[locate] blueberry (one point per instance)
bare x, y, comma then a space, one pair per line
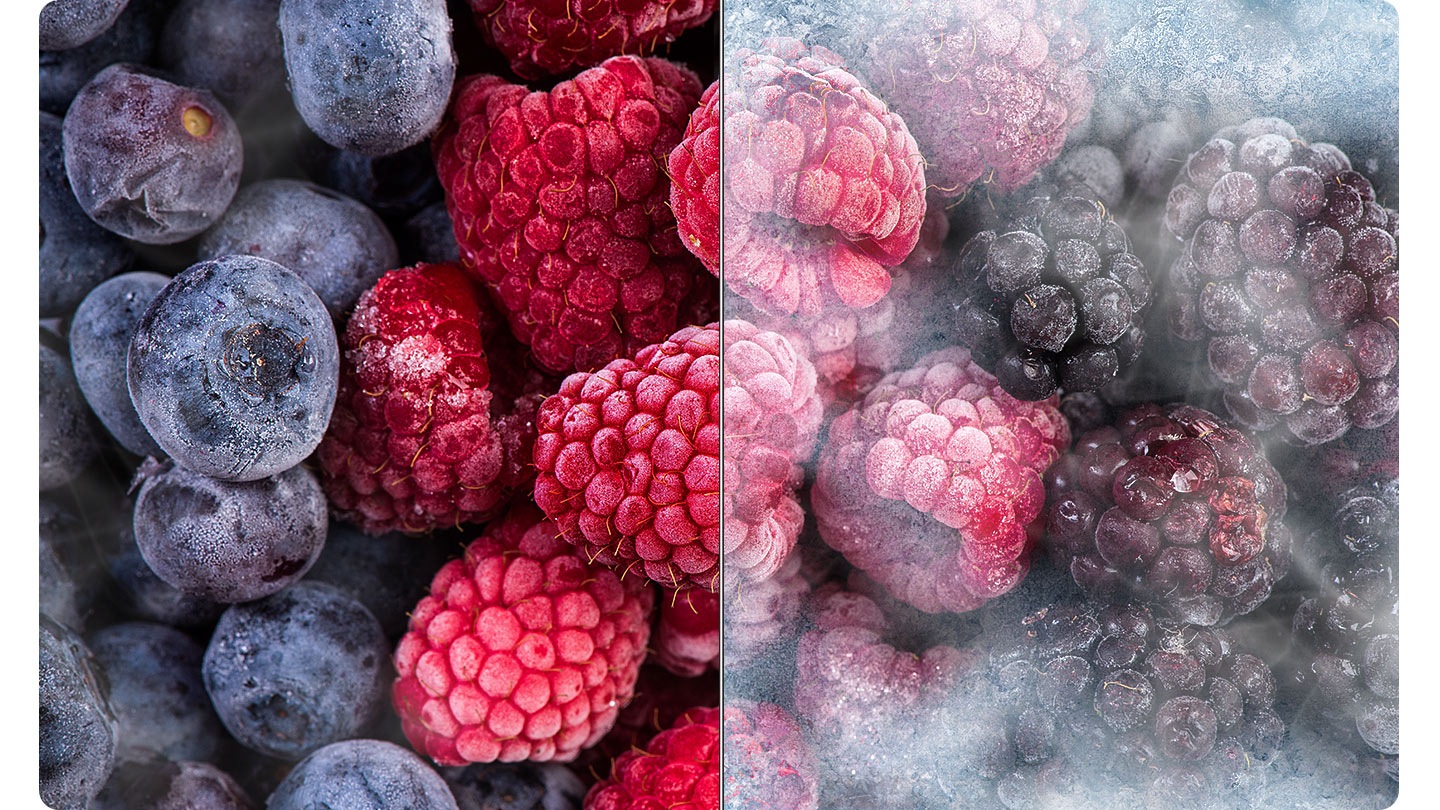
67, 442
77, 729
229, 47
335, 244
75, 253
66, 24
159, 784
395, 185
431, 235
229, 541
131, 39
363, 775
389, 574
150, 160
143, 595
99, 344
233, 369
156, 693
296, 671
515, 786
370, 76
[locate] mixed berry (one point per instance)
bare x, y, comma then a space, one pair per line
396, 450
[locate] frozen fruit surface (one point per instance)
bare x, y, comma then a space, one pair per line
362, 775
929, 482
233, 368
230, 47
436, 410
678, 766
160, 784
522, 650
67, 441
388, 573
559, 205
65, 24
767, 761
694, 170
77, 728
515, 786
100, 337
628, 461
687, 635
132, 38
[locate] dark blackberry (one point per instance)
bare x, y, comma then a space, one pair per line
1289, 276
1171, 507
1057, 302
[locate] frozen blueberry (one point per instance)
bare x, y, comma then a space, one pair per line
75, 253
337, 245
150, 160
363, 775
159, 784
229, 47
296, 671
99, 344
77, 729
431, 235
72, 575
515, 786
67, 441
156, 693
234, 367
389, 574
143, 595
67, 24
395, 185
229, 541
371, 76
131, 39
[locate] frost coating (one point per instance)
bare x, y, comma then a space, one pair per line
363, 775
99, 345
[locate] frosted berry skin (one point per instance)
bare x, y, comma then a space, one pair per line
559, 205
687, 633
628, 461
100, 336
540, 38
150, 160
772, 418
66, 24
515, 786
1289, 278
233, 368
767, 761
679, 767
362, 775
1172, 507
67, 442
231, 47
435, 414
522, 650
929, 482
761, 616
372, 76
694, 171
77, 727
161, 784
824, 186
990, 90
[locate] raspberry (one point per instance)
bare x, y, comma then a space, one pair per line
1056, 300
661, 697
990, 90
772, 418
768, 764
1172, 507
559, 206
687, 636
928, 483
521, 650
680, 767
547, 38
422, 435
763, 614
695, 181
824, 186
1289, 276
629, 460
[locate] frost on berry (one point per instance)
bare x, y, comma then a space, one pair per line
687, 636
678, 767
768, 763
694, 171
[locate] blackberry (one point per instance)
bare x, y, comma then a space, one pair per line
1289, 277
1348, 634
1057, 301
1171, 507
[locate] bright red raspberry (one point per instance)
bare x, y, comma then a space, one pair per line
824, 186
695, 181
541, 38
559, 202
423, 434
687, 636
628, 460
768, 764
661, 697
929, 482
680, 767
522, 650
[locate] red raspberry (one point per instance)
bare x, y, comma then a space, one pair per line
661, 697
695, 181
542, 38
772, 417
679, 768
929, 482
629, 460
521, 650
421, 438
687, 636
559, 205
824, 186
768, 764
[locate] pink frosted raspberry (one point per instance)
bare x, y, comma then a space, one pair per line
629, 460
687, 637
929, 482
522, 650
772, 417
695, 181
761, 614
768, 764
824, 186
661, 697
679, 767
